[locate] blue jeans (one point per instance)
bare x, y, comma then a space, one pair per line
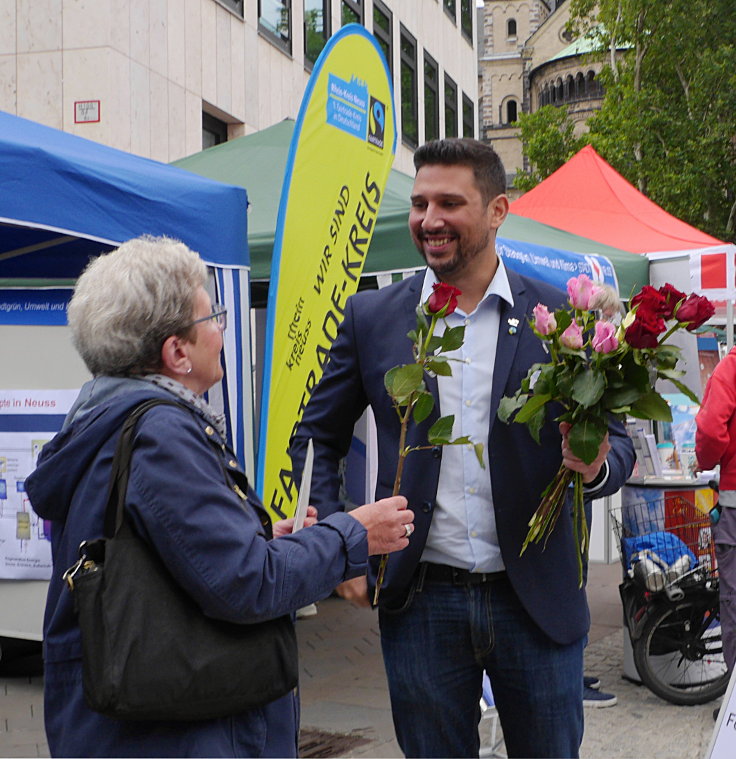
435, 650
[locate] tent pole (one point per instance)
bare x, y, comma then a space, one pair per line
729, 324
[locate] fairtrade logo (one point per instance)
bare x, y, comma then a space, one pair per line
376, 122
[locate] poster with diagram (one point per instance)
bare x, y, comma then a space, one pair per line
28, 420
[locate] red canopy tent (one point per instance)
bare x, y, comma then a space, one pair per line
588, 197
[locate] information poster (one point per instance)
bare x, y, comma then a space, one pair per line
28, 420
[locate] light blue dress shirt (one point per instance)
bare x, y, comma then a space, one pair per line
463, 531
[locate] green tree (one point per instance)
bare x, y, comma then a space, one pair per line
668, 119
548, 140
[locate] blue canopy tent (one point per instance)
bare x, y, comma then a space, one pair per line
64, 199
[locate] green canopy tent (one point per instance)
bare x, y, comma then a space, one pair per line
257, 162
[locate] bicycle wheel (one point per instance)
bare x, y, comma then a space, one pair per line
679, 655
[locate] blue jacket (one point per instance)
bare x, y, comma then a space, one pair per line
216, 545
373, 339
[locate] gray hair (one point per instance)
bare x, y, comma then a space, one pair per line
127, 302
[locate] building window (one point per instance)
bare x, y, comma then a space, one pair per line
274, 20
316, 28
468, 117
512, 114
431, 98
382, 31
450, 107
450, 9
409, 107
351, 12
511, 28
234, 5
214, 131
466, 18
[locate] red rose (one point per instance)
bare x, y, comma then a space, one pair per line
694, 311
645, 329
443, 296
651, 300
672, 296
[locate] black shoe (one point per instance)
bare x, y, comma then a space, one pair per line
591, 682
598, 699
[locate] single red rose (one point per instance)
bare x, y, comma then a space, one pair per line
694, 311
645, 329
651, 300
443, 295
672, 296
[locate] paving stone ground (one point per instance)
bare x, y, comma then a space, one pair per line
345, 709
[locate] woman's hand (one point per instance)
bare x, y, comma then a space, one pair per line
286, 526
388, 522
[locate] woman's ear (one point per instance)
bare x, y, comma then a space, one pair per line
174, 356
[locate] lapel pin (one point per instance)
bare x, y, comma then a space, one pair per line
513, 324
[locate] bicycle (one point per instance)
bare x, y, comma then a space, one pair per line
670, 599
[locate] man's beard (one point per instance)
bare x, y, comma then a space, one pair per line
464, 253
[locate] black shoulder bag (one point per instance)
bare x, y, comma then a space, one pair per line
148, 651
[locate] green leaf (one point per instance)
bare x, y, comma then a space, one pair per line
422, 323
588, 387
423, 406
585, 438
683, 388
402, 381
439, 365
624, 396
434, 343
535, 423
530, 407
478, 447
563, 319
439, 433
652, 406
509, 405
453, 338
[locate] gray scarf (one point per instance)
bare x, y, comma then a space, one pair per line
217, 420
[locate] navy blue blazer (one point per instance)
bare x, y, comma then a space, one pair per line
373, 339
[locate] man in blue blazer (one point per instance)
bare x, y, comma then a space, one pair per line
460, 599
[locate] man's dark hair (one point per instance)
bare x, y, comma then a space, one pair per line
490, 176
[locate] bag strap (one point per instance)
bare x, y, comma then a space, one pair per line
120, 472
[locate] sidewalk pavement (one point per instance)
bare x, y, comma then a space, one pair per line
345, 710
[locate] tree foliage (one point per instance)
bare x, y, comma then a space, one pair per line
548, 140
668, 119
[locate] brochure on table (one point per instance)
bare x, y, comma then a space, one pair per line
28, 420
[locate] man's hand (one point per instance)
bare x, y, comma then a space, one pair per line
355, 591
571, 461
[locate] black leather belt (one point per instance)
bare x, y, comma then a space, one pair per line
457, 576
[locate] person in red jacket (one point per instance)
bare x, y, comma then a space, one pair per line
715, 443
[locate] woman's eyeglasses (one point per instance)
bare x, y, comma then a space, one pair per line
218, 315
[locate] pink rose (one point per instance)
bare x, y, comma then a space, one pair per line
580, 291
572, 337
604, 339
544, 322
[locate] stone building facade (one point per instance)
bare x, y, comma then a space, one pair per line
527, 59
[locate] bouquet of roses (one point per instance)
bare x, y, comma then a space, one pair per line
598, 370
408, 392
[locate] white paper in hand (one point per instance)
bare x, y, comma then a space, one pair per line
303, 499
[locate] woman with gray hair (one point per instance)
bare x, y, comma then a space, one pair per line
145, 327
